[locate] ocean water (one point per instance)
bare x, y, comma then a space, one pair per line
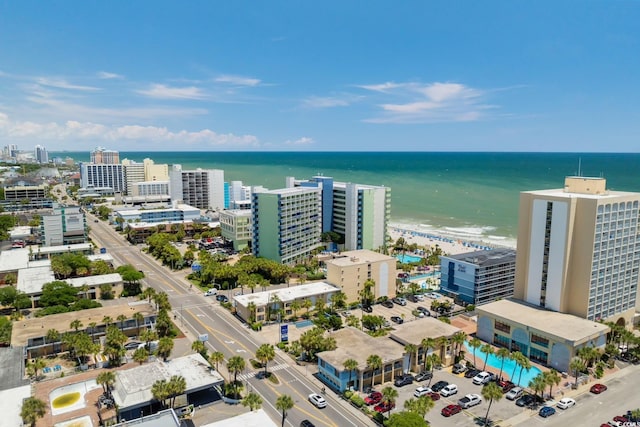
468, 196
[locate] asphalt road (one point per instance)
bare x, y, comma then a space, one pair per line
197, 315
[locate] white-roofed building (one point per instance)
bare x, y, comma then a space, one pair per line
257, 418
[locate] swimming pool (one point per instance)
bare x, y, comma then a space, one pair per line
408, 259
508, 368
304, 323
70, 397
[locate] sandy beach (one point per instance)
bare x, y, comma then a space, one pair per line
449, 245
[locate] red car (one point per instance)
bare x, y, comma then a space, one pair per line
434, 396
384, 407
449, 410
506, 385
374, 398
620, 419
597, 388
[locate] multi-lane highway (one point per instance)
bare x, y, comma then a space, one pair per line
197, 314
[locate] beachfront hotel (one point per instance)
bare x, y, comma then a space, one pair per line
286, 223
200, 188
579, 250
358, 212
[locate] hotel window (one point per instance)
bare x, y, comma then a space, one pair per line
538, 356
538, 340
502, 327
501, 341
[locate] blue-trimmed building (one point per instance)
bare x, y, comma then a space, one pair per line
478, 277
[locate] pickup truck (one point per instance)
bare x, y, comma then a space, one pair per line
470, 400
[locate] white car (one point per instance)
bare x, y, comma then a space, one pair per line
210, 292
422, 391
420, 297
470, 400
514, 393
565, 403
449, 390
317, 400
482, 378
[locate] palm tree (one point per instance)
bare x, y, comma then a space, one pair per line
93, 326
307, 304
487, 350
295, 306
253, 401
106, 379
552, 377
139, 318
350, 365
517, 357
216, 357
75, 324
199, 347
441, 344
107, 320
458, 340
502, 353
284, 403
121, 318
35, 366
177, 385
389, 396
491, 391
160, 391
140, 355
235, 365
147, 336
52, 336
433, 359
265, 354
576, 365
420, 406
32, 410
524, 364
165, 345
374, 362
426, 344
474, 344
410, 349
538, 384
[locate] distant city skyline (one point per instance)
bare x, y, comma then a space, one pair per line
337, 76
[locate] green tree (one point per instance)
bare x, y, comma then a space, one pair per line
525, 364
576, 366
517, 357
253, 401
491, 391
34, 367
199, 347
147, 336
551, 378
216, 357
265, 354
410, 349
426, 344
140, 355
350, 365
165, 346
389, 396
160, 391
502, 354
235, 365
374, 362
176, 386
487, 350
32, 410
58, 293
106, 379
121, 319
458, 340
420, 406
284, 403
538, 383
139, 318
475, 343
405, 419
75, 324
52, 336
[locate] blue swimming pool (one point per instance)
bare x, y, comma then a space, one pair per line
507, 369
304, 323
407, 259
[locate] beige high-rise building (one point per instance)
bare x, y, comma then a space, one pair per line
579, 250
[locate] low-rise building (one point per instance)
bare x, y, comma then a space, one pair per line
478, 277
63, 226
350, 270
262, 305
237, 226
544, 336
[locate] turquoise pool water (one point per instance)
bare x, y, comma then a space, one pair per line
407, 259
507, 369
304, 323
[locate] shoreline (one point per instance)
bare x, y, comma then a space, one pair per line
450, 243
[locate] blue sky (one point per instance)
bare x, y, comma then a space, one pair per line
317, 76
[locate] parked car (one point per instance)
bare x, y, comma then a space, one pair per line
514, 393
434, 396
482, 378
424, 310
307, 423
506, 385
621, 419
450, 410
397, 319
132, 345
400, 301
388, 303
222, 298
346, 313
317, 400
374, 398
367, 309
403, 380
449, 390
439, 386
547, 411
423, 376
210, 292
526, 400
422, 391
472, 373
598, 388
384, 407
419, 297
470, 400
566, 403
433, 295
458, 368
412, 298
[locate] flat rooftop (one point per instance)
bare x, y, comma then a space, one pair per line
564, 326
355, 344
562, 193
133, 386
286, 294
292, 190
362, 256
31, 280
178, 207
11, 369
14, 259
257, 418
427, 327
37, 327
486, 258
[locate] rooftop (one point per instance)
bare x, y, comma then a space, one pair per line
427, 327
165, 418
355, 344
257, 418
486, 258
31, 280
14, 259
361, 256
564, 326
133, 386
179, 207
293, 190
286, 294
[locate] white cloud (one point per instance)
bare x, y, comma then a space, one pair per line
63, 84
237, 80
324, 102
161, 91
429, 103
71, 130
107, 75
301, 141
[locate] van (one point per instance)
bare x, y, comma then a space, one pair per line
211, 292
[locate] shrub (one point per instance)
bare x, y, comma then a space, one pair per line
357, 400
348, 394
256, 326
283, 346
470, 307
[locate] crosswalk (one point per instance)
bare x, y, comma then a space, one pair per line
270, 368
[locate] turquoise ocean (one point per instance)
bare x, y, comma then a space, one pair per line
468, 196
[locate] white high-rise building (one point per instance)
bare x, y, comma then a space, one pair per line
200, 188
102, 175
